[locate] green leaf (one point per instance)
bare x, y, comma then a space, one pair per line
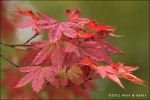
75, 75
62, 75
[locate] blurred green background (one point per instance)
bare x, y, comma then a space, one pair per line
132, 21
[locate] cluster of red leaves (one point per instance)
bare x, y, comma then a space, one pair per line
73, 53
27, 93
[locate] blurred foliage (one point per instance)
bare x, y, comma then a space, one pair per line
132, 21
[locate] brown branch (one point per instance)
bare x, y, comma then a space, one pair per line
30, 39
9, 61
15, 45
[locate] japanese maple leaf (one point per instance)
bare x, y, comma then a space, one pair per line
84, 34
54, 51
46, 50
71, 46
57, 57
115, 72
74, 74
57, 28
108, 47
93, 26
90, 49
105, 72
27, 13
103, 47
75, 17
29, 23
125, 72
36, 74
87, 71
96, 51
102, 31
70, 59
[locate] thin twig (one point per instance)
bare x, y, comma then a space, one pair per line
30, 39
95, 77
9, 61
15, 45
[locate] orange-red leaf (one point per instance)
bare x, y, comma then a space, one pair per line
27, 13
75, 17
93, 26
84, 35
118, 71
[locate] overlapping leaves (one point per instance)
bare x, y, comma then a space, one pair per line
73, 52
115, 71
37, 75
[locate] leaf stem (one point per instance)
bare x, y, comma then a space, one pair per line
93, 78
9, 61
95, 75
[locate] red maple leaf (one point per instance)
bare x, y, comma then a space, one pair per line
102, 31
95, 50
29, 23
46, 50
74, 17
57, 28
115, 72
73, 53
36, 74
74, 74
27, 13
57, 57
54, 51
93, 26
70, 59
90, 49
84, 34
108, 46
